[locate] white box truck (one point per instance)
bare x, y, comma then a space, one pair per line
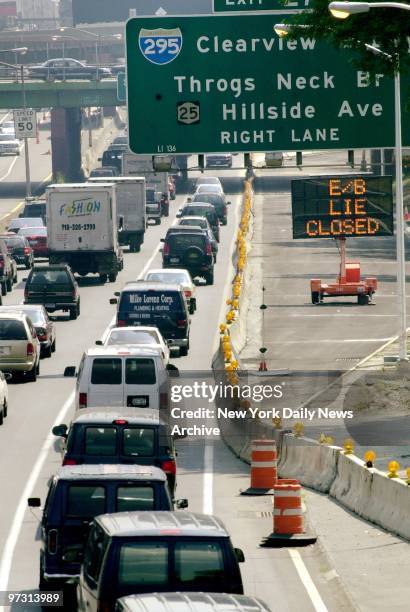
82, 228
141, 165
131, 204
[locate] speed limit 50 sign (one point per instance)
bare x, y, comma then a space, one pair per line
25, 123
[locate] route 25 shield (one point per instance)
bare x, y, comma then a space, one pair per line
160, 46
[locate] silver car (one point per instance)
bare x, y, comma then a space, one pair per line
19, 345
9, 145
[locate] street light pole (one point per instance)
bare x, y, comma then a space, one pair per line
26, 149
342, 10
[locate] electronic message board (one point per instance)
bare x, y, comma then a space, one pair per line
342, 206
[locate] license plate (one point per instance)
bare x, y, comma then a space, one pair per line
174, 259
4, 350
133, 315
137, 401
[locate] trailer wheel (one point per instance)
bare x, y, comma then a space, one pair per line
315, 297
363, 299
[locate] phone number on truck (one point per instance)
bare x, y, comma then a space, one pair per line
77, 226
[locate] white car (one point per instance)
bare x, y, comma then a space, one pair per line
7, 127
207, 180
4, 395
209, 188
9, 145
176, 275
141, 336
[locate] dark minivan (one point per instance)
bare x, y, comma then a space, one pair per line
147, 552
162, 305
55, 287
79, 493
105, 435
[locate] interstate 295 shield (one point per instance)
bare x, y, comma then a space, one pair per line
160, 46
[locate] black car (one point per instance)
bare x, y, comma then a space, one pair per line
104, 171
162, 305
190, 248
102, 435
150, 552
67, 68
20, 250
216, 160
112, 157
202, 209
76, 495
55, 287
36, 209
218, 201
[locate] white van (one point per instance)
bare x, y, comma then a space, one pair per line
122, 375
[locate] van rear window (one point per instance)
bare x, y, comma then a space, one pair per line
143, 563
85, 501
138, 442
130, 498
12, 330
144, 304
100, 441
140, 371
199, 564
106, 371
184, 241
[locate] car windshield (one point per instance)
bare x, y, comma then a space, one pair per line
169, 277
49, 277
10, 329
30, 231
131, 336
202, 211
212, 198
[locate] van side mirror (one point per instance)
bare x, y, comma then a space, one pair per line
181, 504
120, 222
162, 239
60, 430
70, 372
34, 502
99, 342
99, 158
239, 555
113, 301
171, 368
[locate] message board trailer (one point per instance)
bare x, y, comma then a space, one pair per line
339, 207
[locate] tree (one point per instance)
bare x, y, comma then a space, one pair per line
387, 29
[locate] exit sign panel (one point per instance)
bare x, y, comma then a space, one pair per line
342, 206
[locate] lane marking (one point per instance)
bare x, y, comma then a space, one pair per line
307, 581
330, 341
20, 204
208, 481
13, 163
12, 538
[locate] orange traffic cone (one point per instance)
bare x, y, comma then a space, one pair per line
263, 468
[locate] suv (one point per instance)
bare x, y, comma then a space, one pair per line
190, 602
215, 160
106, 435
146, 552
55, 287
189, 247
77, 494
19, 250
35, 208
19, 345
7, 271
201, 209
218, 201
162, 305
203, 223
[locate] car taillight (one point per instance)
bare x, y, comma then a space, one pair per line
30, 349
166, 249
27, 250
181, 322
73, 293
188, 293
169, 466
82, 400
69, 462
208, 248
120, 323
163, 400
52, 541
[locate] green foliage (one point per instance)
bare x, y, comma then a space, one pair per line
387, 29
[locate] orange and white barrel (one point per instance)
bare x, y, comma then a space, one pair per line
264, 462
287, 507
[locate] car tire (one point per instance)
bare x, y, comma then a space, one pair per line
103, 278
363, 300
3, 289
15, 279
5, 408
53, 346
1, 417
47, 351
32, 374
209, 277
9, 284
183, 351
73, 313
28, 265
112, 277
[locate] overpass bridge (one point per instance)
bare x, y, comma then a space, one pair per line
65, 99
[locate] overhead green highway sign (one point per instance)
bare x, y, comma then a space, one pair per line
228, 83
224, 6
